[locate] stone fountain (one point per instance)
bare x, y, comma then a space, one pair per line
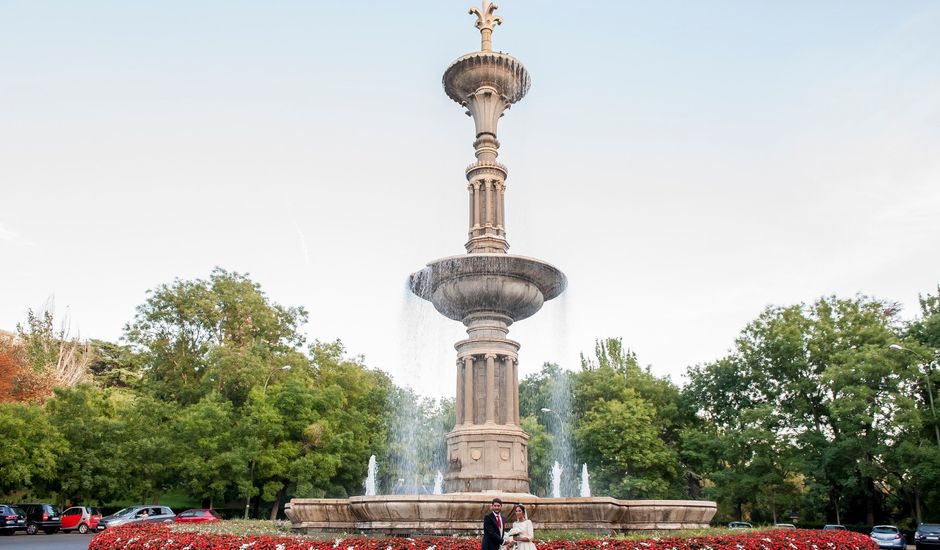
488, 289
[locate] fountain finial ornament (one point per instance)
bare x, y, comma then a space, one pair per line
486, 22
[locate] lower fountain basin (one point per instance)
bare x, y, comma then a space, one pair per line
463, 513
514, 286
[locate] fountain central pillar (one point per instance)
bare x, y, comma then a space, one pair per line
487, 289
487, 450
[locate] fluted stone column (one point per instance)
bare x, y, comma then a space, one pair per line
509, 390
468, 390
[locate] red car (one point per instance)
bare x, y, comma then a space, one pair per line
197, 515
81, 519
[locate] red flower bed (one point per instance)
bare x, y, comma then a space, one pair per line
157, 536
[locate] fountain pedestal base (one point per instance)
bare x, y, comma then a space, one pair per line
463, 513
487, 457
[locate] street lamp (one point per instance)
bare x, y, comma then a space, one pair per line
550, 411
251, 474
928, 363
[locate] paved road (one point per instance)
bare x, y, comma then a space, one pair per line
42, 541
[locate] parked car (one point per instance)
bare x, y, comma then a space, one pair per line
41, 516
833, 527
888, 536
12, 519
739, 525
137, 514
81, 519
784, 526
927, 535
197, 515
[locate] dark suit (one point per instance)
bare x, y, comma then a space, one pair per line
492, 534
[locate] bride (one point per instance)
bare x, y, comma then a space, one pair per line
522, 534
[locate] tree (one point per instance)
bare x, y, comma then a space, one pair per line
546, 397
114, 365
621, 439
811, 391
209, 458
917, 464
628, 425
29, 448
12, 364
39, 359
222, 334
311, 433
91, 420
147, 446
540, 455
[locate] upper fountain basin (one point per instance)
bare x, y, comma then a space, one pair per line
514, 286
501, 71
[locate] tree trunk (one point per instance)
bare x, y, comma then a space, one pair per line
834, 502
206, 502
277, 503
694, 486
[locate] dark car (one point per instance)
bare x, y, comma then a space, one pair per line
927, 535
137, 514
887, 536
739, 525
81, 519
833, 527
41, 516
12, 519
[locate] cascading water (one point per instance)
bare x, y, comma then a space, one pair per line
439, 483
556, 480
585, 481
562, 449
369, 483
416, 433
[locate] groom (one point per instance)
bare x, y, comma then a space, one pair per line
493, 527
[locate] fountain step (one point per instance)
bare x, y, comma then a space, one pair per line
463, 513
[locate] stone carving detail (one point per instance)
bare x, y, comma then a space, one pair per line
486, 21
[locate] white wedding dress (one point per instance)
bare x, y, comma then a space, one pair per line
524, 529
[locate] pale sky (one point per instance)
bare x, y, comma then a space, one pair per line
685, 163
